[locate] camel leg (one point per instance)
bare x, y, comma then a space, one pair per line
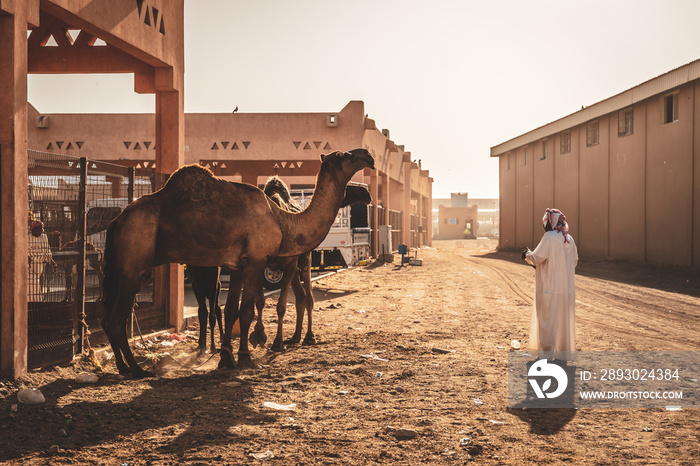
231, 314
258, 337
288, 274
300, 299
199, 286
114, 325
305, 273
215, 312
252, 288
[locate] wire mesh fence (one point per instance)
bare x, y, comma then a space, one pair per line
71, 203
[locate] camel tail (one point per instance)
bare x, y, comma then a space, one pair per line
110, 270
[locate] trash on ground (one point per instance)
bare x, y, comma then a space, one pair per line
465, 441
279, 407
496, 422
515, 344
674, 408
86, 377
478, 401
176, 337
442, 351
647, 429
372, 356
265, 455
30, 396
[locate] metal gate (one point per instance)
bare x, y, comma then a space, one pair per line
74, 200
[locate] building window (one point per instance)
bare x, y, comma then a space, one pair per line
670, 108
565, 142
625, 122
592, 133
544, 150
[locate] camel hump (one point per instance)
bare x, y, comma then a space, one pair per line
190, 181
277, 190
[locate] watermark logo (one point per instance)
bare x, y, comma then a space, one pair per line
544, 372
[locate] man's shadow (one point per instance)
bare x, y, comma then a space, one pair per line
546, 420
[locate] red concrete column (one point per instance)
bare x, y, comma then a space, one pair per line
406, 227
13, 193
374, 191
170, 154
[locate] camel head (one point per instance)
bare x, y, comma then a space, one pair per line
356, 194
349, 162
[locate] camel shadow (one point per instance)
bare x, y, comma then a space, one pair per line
185, 411
544, 421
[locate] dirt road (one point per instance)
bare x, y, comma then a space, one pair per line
419, 352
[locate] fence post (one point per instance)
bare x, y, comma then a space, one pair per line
79, 322
130, 189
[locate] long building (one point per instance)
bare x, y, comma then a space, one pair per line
625, 171
250, 147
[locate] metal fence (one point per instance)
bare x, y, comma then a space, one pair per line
74, 200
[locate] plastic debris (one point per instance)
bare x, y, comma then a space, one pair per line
693, 380
442, 351
279, 407
176, 337
674, 408
647, 429
478, 401
86, 377
496, 422
515, 344
265, 455
372, 356
167, 343
30, 396
465, 442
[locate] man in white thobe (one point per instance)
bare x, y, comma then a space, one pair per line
552, 331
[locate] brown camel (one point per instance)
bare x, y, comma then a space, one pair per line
199, 219
294, 270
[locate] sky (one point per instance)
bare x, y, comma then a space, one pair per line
448, 79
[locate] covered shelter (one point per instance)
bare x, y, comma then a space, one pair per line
140, 37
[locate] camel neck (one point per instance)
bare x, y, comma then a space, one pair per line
304, 231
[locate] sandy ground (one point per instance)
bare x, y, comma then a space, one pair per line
401, 351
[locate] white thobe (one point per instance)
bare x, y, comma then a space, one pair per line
552, 331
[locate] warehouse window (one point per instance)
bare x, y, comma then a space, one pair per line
544, 150
670, 108
625, 122
565, 142
592, 133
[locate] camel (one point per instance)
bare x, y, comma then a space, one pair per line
294, 270
299, 268
199, 219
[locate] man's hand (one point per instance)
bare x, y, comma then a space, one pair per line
525, 251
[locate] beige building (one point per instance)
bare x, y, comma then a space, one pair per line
250, 147
625, 172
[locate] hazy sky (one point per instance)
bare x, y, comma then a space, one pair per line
449, 79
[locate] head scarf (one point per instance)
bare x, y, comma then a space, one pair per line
557, 221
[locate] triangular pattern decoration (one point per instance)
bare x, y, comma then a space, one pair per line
317, 144
299, 164
59, 144
72, 35
307, 146
297, 144
224, 144
147, 144
235, 146
99, 42
137, 146
246, 144
127, 144
69, 146
49, 147
79, 144
51, 42
223, 165
284, 164
327, 147
276, 165
215, 147
94, 165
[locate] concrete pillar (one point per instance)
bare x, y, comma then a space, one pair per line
13, 193
406, 220
170, 154
374, 192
